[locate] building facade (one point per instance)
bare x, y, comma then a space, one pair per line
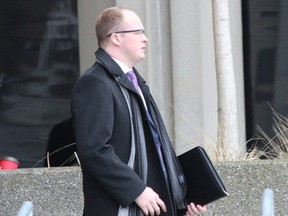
45, 48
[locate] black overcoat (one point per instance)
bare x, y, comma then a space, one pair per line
102, 132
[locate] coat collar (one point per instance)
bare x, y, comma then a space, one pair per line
113, 68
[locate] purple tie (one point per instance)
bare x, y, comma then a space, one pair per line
134, 81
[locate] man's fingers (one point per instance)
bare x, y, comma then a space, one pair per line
157, 206
145, 211
151, 211
150, 202
192, 209
157, 211
162, 205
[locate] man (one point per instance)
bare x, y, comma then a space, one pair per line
118, 127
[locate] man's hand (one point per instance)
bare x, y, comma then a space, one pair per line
193, 209
150, 203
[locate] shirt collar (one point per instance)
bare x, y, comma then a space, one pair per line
123, 66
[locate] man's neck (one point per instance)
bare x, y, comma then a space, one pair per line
116, 54
125, 68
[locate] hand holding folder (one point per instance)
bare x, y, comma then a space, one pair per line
203, 182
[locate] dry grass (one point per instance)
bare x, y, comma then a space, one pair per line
276, 147
71, 158
273, 147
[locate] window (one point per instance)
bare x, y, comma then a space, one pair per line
39, 64
265, 53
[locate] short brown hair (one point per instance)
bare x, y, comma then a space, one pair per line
107, 22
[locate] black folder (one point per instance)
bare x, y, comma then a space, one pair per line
203, 182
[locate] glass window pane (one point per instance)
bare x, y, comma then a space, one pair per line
266, 72
39, 64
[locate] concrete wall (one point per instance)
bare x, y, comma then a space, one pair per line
57, 191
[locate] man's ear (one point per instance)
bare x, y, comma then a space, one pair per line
115, 39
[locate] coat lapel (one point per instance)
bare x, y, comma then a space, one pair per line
113, 68
144, 88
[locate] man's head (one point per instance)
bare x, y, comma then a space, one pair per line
120, 33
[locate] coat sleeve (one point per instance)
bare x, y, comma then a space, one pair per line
93, 113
